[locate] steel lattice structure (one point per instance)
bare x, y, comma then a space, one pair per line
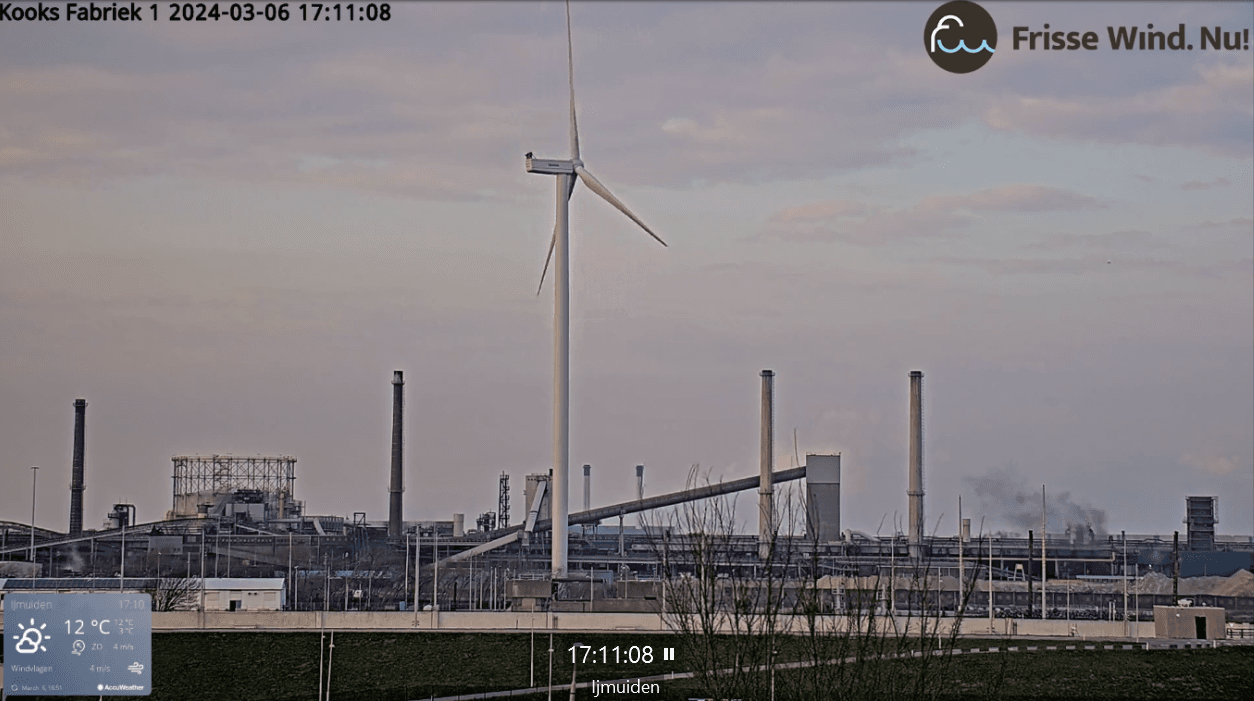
221, 474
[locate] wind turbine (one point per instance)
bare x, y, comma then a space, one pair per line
566, 171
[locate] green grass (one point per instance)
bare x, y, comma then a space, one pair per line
403, 666
1223, 673
375, 666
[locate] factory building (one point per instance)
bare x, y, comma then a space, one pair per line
823, 498
236, 519
1200, 518
220, 594
254, 488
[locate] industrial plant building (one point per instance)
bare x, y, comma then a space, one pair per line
236, 524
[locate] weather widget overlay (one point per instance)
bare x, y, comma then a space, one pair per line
78, 644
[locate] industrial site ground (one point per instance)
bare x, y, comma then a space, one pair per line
411, 666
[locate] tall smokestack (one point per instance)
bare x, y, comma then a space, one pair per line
76, 474
395, 524
587, 487
640, 493
766, 487
915, 492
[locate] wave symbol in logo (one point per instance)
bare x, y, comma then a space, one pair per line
962, 46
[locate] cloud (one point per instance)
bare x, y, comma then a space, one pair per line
719, 133
1104, 264
1239, 224
1122, 241
820, 211
1211, 112
1032, 266
1023, 198
1213, 464
441, 106
932, 216
1205, 185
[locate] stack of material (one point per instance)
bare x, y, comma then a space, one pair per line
18, 569
1239, 584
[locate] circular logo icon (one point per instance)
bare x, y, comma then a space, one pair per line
960, 36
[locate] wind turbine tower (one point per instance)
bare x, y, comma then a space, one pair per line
566, 171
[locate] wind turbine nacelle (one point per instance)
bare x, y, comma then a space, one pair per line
546, 166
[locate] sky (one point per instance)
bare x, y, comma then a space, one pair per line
227, 235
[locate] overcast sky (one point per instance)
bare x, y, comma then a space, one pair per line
226, 236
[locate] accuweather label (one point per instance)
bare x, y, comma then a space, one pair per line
78, 644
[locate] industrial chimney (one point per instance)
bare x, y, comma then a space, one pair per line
587, 487
395, 524
76, 474
915, 492
640, 493
766, 486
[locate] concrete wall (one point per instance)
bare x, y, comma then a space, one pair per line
402, 620
1036, 628
506, 621
1181, 622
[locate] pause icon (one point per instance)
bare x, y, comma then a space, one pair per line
668, 653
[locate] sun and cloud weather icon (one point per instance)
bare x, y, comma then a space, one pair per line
32, 639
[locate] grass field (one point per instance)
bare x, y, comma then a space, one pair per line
406, 666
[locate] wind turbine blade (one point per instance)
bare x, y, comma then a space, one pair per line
596, 186
547, 259
553, 240
570, 72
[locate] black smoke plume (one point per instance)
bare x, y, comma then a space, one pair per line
1006, 497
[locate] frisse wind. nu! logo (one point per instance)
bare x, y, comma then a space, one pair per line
960, 36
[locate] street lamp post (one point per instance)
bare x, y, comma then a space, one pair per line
34, 473
773, 654
122, 572
574, 670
